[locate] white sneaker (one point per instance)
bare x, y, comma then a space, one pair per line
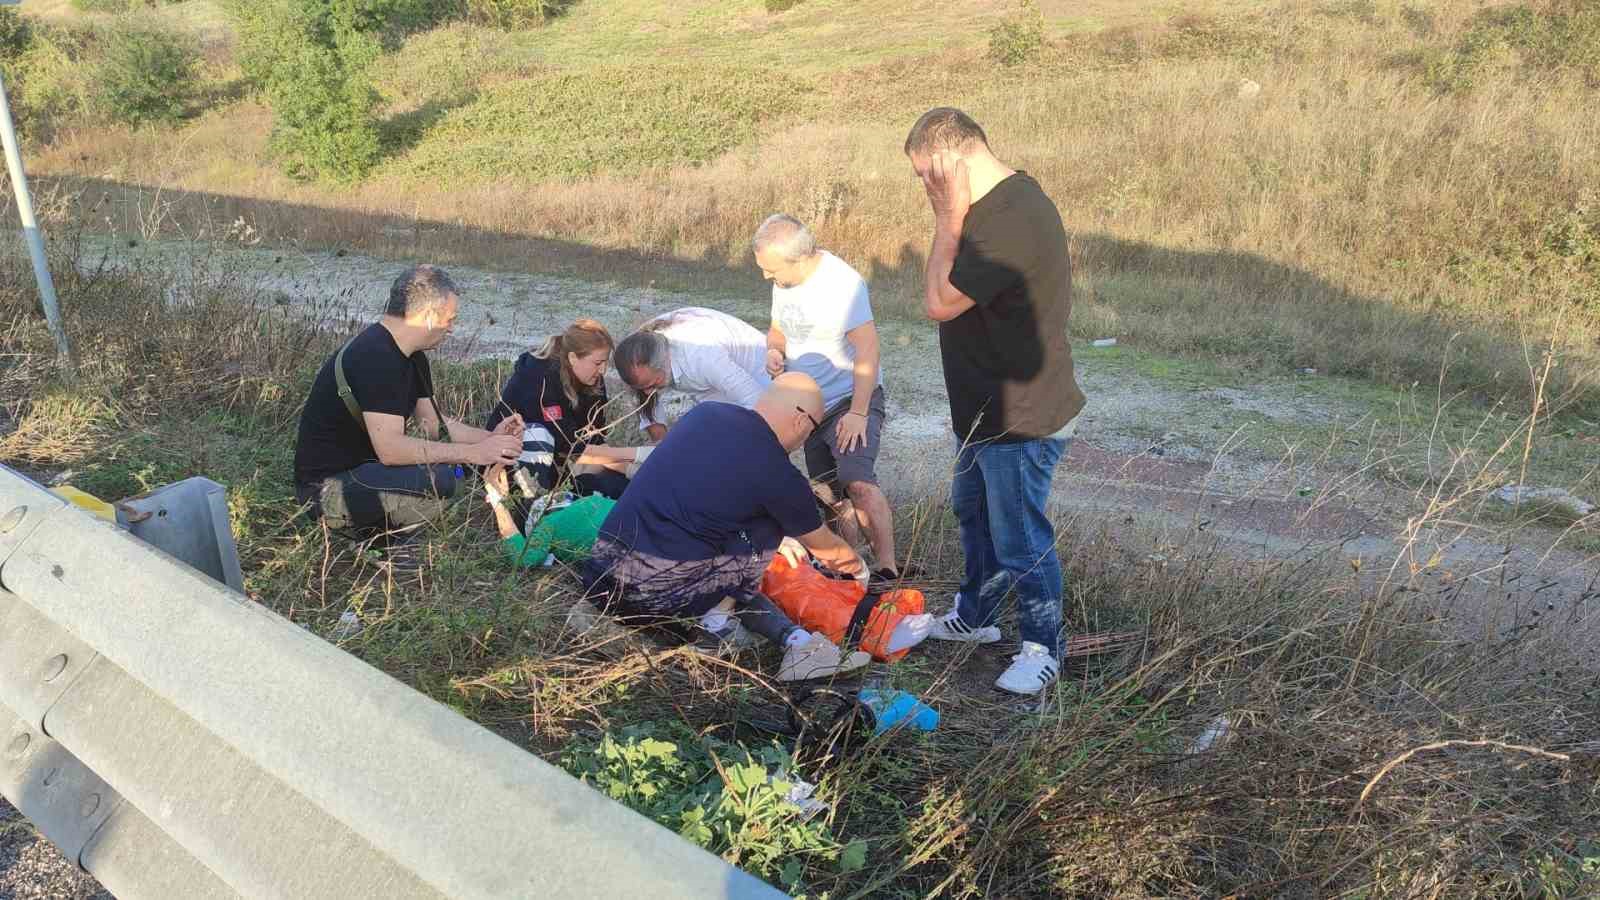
819, 658
1030, 672
951, 628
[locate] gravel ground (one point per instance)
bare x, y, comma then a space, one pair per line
31, 868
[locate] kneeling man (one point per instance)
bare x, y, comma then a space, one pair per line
353, 461
705, 513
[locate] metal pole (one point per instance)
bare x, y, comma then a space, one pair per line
30, 230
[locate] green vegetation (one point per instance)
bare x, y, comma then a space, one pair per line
727, 798
146, 74
553, 126
1563, 36
1326, 677
1018, 37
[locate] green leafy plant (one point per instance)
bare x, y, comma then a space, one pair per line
515, 13
145, 73
311, 60
724, 797
1019, 36
778, 6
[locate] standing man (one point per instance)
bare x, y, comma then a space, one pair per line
353, 460
999, 283
822, 326
700, 354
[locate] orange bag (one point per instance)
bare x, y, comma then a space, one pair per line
819, 603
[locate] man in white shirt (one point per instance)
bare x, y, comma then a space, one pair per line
822, 326
696, 354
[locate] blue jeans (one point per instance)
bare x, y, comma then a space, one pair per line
999, 495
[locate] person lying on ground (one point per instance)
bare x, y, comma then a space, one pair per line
822, 325
689, 541
699, 353
564, 534
353, 461
559, 390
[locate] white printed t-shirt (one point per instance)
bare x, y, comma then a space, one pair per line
814, 317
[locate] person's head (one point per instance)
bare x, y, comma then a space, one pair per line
423, 302
582, 350
785, 250
944, 129
644, 361
792, 407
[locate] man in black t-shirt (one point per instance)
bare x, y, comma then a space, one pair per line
357, 466
999, 283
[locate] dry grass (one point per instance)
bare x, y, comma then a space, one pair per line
1335, 684
1351, 217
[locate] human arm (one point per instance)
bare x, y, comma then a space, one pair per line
618, 458
832, 551
852, 427
396, 448
729, 380
497, 491
951, 197
776, 347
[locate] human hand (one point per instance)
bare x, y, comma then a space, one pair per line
496, 482
852, 431
793, 551
775, 361
512, 425
496, 448
949, 191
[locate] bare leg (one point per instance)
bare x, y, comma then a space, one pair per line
844, 517
873, 507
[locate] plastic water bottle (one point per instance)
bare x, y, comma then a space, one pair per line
890, 708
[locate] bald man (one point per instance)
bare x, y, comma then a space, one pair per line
687, 543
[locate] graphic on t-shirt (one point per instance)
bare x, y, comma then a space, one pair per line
794, 323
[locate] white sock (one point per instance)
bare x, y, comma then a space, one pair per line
910, 631
797, 638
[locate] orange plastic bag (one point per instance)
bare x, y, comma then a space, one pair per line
819, 603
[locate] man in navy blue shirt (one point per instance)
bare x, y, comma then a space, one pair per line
703, 517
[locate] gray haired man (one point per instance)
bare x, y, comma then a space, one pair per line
822, 325
353, 461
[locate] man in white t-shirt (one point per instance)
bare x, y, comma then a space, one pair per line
688, 356
822, 326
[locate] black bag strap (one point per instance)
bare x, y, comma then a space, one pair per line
858, 619
349, 397
345, 393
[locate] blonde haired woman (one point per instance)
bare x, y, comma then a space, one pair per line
559, 390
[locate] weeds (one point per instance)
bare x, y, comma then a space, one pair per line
1367, 700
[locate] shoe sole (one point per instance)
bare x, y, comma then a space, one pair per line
986, 635
1024, 693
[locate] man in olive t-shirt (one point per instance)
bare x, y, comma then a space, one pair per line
999, 283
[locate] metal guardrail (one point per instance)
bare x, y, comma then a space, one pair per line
178, 740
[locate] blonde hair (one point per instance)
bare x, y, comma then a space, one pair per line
582, 337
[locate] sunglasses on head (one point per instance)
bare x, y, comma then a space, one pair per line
802, 411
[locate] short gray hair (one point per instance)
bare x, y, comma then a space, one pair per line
419, 289
787, 235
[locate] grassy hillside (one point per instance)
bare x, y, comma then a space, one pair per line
1408, 197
